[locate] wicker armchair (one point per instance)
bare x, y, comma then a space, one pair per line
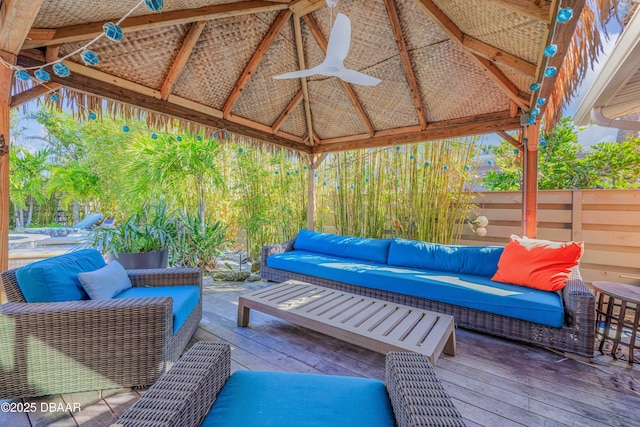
64, 347
182, 397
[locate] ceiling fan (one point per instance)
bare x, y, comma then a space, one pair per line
333, 66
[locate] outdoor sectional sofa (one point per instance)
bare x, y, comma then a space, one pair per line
77, 344
454, 280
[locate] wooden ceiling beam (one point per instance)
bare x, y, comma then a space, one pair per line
466, 126
288, 110
251, 67
405, 59
39, 37
114, 88
52, 53
305, 7
181, 59
457, 36
33, 93
303, 80
499, 56
535, 9
322, 42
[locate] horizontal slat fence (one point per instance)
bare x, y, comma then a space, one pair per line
608, 221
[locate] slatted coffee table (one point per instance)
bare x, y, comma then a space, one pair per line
375, 324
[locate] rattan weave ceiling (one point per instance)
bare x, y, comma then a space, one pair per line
448, 68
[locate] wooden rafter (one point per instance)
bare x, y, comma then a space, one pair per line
91, 81
16, 17
457, 36
52, 53
251, 67
39, 37
290, 107
322, 42
303, 80
305, 7
33, 93
498, 56
560, 35
405, 59
181, 59
511, 140
466, 126
535, 9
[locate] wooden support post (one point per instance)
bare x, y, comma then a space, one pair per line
6, 77
530, 184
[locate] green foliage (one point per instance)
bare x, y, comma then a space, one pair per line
198, 242
151, 229
563, 165
27, 181
418, 192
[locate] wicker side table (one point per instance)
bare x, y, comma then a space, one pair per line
618, 318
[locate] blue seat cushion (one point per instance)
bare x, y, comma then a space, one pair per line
56, 279
185, 299
279, 399
374, 250
464, 290
473, 260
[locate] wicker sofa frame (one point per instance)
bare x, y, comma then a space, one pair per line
64, 347
577, 335
183, 396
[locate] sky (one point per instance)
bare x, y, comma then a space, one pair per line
587, 136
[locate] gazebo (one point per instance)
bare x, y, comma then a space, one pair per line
447, 69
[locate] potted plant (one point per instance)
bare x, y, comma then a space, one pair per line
141, 241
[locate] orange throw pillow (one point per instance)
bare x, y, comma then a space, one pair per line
539, 264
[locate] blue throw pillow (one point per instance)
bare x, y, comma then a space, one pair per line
473, 260
56, 279
106, 282
373, 250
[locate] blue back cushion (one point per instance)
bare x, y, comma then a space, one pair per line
56, 279
185, 299
259, 399
473, 260
373, 250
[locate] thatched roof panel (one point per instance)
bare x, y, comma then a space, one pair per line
280, 58
221, 54
332, 112
435, 65
417, 33
295, 123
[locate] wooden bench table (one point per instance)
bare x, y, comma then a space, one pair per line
374, 324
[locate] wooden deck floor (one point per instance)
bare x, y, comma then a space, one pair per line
493, 382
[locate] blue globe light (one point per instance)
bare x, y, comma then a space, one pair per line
112, 31
324, 183
42, 75
543, 142
366, 180
564, 15
227, 135
532, 120
534, 86
154, 5
305, 167
397, 148
351, 186
550, 50
93, 115
467, 168
154, 136
535, 111
411, 157
276, 172
550, 72
215, 135
541, 101
125, 128
61, 70
178, 138
516, 151
199, 138
240, 150
337, 187
315, 175
23, 75
445, 167
489, 162
427, 164
288, 173
89, 57
54, 97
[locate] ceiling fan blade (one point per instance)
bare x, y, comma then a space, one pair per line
340, 38
298, 74
358, 78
